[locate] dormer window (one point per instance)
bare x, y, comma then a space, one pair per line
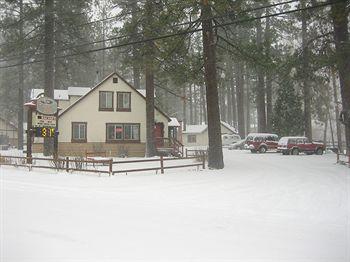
106, 101
124, 101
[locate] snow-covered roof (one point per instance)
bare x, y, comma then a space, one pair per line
143, 92
261, 134
197, 129
174, 122
62, 94
58, 94
13, 124
229, 127
78, 91
194, 129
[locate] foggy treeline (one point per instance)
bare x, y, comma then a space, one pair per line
280, 66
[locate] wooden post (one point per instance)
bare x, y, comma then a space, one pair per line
186, 152
110, 167
203, 159
29, 136
161, 165
67, 164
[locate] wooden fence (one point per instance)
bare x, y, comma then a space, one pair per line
343, 159
66, 163
196, 152
161, 166
80, 164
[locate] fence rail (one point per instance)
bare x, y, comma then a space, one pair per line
74, 164
56, 163
343, 159
161, 166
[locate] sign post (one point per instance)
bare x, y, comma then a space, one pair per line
42, 122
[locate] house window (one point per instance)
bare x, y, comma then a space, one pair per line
123, 132
115, 80
106, 101
79, 132
191, 139
123, 101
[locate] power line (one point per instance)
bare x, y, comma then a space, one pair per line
115, 38
181, 33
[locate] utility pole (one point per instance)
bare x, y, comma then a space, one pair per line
21, 81
215, 155
149, 73
260, 100
49, 63
305, 73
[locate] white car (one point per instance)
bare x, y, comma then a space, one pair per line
238, 145
229, 139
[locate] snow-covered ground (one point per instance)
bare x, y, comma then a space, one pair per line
259, 208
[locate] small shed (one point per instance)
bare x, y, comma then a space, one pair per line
197, 135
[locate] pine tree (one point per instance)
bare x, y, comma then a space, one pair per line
288, 115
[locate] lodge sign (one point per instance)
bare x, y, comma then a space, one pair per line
46, 106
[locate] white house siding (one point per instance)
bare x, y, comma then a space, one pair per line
202, 138
87, 110
8, 130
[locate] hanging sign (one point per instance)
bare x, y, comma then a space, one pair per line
46, 106
40, 120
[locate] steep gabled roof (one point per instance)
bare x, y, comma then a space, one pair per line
197, 129
229, 127
9, 122
99, 84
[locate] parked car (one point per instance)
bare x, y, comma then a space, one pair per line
229, 139
293, 145
261, 142
238, 145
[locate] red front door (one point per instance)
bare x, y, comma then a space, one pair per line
159, 134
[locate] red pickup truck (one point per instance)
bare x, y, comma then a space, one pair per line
293, 145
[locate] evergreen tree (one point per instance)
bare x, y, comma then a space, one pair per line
288, 115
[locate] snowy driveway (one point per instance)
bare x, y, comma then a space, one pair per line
259, 208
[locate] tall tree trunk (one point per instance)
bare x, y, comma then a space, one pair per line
103, 69
222, 91
203, 95
341, 37
49, 62
331, 127
336, 108
195, 112
21, 81
229, 103
240, 98
149, 73
233, 97
191, 104
268, 77
247, 103
135, 53
184, 101
305, 66
260, 99
325, 130
215, 155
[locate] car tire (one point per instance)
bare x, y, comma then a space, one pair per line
295, 151
262, 149
319, 151
285, 153
253, 150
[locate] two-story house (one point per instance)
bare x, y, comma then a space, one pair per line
110, 117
